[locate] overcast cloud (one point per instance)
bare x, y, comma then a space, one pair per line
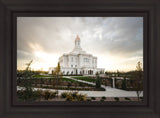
116, 41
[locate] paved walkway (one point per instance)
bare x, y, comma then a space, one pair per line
110, 92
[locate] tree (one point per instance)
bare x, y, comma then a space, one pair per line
28, 92
124, 82
138, 80
58, 70
105, 81
98, 81
57, 73
118, 73
27, 75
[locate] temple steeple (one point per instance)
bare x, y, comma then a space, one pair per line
77, 43
77, 49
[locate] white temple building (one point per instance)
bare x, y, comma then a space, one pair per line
78, 62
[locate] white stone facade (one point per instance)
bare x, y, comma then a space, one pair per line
78, 62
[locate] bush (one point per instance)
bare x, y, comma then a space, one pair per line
74, 94
46, 95
127, 98
69, 98
116, 99
93, 98
27, 95
20, 94
141, 98
49, 95
89, 100
98, 81
103, 98
64, 94
81, 97
52, 95
124, 82
38, 94
35, 95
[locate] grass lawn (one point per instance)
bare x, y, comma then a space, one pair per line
42, 76
45, 79
88, 79
69, 80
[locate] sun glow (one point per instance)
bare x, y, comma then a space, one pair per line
44, 60
114, 63
117, 42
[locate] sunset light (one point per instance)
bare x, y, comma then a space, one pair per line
117, 42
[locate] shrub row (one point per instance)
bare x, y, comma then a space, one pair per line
35, 95
73, 96
71, 88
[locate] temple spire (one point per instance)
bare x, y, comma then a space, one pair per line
77, 42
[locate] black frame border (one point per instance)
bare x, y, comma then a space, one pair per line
143, 14
9, 9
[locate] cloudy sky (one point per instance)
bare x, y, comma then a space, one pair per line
116, 41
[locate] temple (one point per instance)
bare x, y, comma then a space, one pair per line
78, 62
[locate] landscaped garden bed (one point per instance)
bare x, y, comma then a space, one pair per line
39, 95
58, 83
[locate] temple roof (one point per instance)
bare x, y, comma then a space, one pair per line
78, 50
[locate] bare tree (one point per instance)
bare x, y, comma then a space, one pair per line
138, 79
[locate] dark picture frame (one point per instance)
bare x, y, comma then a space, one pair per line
9, 10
